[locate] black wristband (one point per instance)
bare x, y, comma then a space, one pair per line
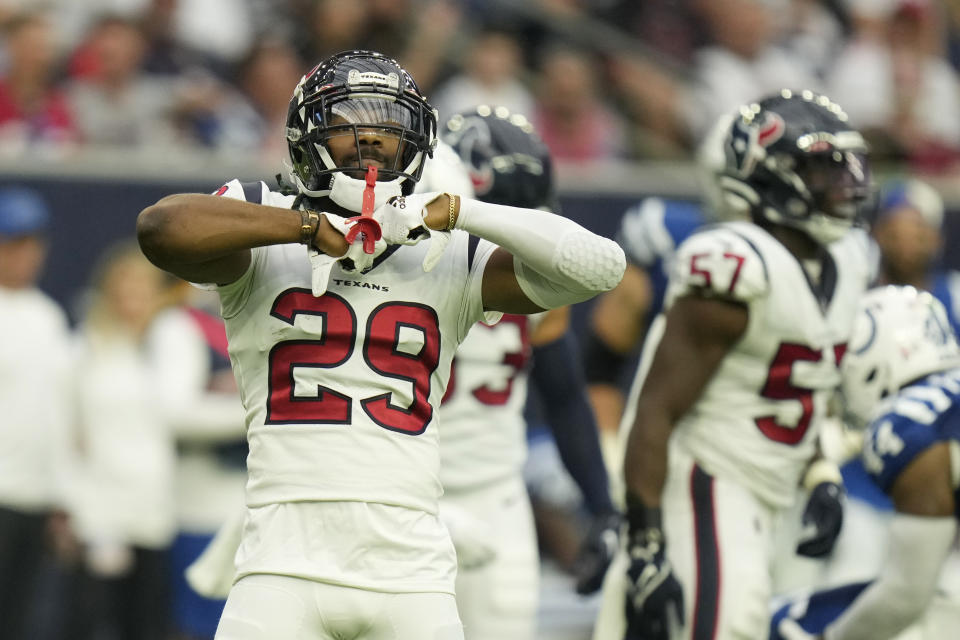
640, 517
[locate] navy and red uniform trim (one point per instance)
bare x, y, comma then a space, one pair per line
706, 607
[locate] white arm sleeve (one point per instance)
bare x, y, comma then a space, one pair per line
917, 549
558, 262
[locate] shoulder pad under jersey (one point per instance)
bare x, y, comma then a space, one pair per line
256, 192
719, 261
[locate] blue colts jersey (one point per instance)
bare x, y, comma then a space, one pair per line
917, 418
946, 289
649, 234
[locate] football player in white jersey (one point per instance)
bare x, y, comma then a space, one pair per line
483, 438
724, 423
342, 349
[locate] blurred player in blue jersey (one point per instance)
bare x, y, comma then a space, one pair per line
482, 444
649, 233
901, 379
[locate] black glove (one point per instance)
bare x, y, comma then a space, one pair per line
654, 596
822, 520
596, 552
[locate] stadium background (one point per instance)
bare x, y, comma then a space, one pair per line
94, 202
95, 192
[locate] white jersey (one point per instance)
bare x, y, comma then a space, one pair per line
756, 420
340, 391
484, 432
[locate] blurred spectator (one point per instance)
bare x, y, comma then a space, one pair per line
219, 29
666, 26
896, 85
421, 34
253, 119
743, 61
34, 357
33, 112
166, 54
418, 33
491, 74
123, 503
817, 30
909, 234
569, 113
327, 27
113, 102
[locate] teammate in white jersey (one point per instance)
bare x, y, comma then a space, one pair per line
483, 439
725, 422
342, 349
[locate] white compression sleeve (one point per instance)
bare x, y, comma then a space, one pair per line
917, 549
558, 262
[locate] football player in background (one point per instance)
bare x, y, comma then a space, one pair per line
649, 233
342, 349
756, 322
908, 234
483, 438
901, 380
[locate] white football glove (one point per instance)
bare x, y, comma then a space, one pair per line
471, 536
355, 260
401, 220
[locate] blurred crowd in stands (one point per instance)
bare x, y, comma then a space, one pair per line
601, 79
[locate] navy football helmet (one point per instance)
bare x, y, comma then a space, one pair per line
352, 94
508, 162
794, 159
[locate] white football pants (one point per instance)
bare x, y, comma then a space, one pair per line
273, 607
498, 601
720, 541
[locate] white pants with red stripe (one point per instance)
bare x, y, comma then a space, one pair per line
720, 541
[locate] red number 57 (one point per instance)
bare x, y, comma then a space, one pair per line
698, 270
779, 387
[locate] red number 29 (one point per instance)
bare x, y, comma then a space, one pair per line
334, 347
